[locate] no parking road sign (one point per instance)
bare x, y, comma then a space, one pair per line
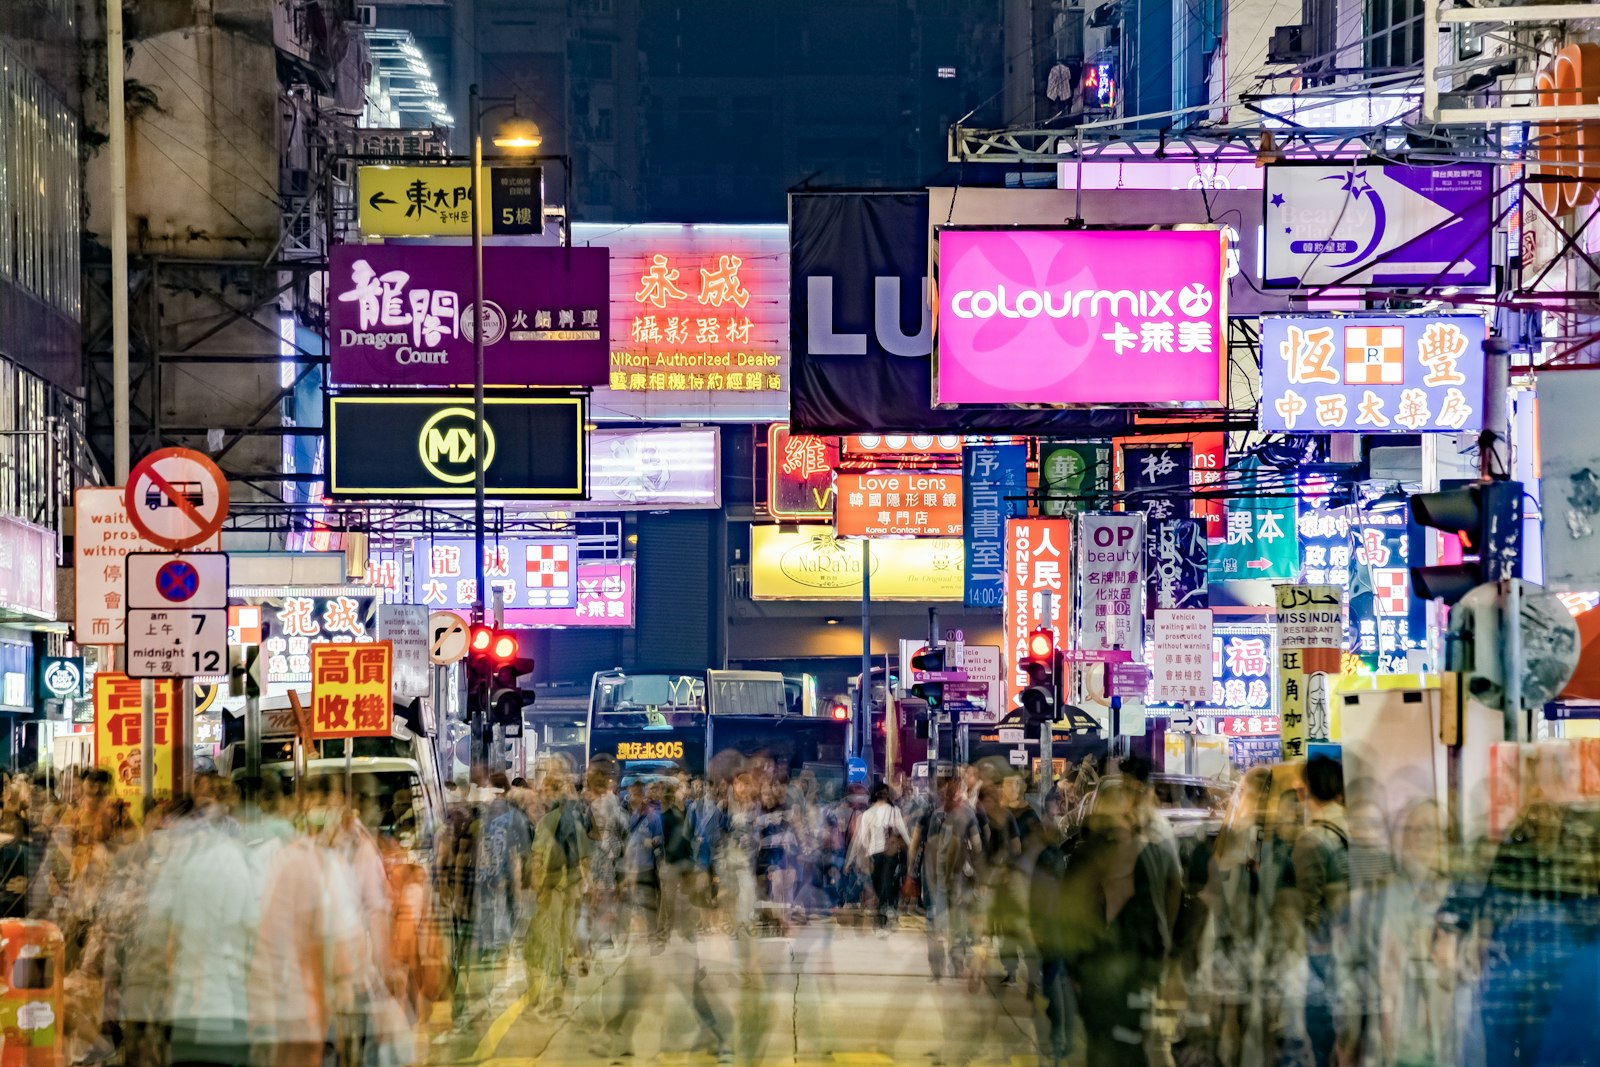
177, 614
176, 498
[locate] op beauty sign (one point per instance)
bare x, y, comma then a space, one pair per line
1047, 316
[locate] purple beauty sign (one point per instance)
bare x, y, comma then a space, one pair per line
402, 315
1371, 373
1378, 224
1045, 316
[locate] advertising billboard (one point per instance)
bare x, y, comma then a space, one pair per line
1376, 224
861, 330
897, 504
1055, 316
665, 467
1569, 448
402, 315
816, 565
1371, 373
699, 320
526, 572
423, 445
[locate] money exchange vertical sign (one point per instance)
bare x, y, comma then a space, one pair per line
1111, 575
1038, 561
996, 490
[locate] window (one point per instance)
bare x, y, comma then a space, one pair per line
39, 222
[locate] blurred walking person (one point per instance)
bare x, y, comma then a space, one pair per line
879, 851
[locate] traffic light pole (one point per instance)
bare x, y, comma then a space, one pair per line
1046, 728
864, 690
1494, 465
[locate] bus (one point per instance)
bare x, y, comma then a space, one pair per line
659, 724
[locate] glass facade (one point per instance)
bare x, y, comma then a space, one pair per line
39, 188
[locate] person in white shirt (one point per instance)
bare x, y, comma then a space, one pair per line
878, 850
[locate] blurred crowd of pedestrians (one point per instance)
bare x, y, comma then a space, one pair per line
268, 922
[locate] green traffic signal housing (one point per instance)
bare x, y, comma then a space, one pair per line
1487, 519
931, 693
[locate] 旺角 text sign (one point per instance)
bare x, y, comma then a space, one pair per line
402, 315
897, 503
1045, 316
1371, 373
352, 690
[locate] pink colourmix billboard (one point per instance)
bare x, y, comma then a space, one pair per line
1045, 316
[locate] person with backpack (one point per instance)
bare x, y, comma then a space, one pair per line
1316, 908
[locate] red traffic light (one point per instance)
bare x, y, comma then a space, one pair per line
480, 639
504, 647
841, 712
1041, 645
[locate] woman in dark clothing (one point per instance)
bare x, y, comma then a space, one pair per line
15, 867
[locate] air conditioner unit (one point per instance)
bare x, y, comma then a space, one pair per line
1288, 45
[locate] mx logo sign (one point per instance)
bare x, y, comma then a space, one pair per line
447, 445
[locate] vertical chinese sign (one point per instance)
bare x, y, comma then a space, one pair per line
1156, 479
996, 490
1310, 622
1038, 561
1111, 580
118, 718
352, 690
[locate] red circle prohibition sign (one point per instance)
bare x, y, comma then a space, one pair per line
164, 492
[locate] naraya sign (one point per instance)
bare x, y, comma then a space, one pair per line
815, 564
402, 315
1046, 316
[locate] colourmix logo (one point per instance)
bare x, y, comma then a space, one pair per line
1031, 316
1193, 300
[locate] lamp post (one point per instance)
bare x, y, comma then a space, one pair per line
522, 134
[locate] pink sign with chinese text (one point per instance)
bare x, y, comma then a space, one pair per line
605, 597
1049, 316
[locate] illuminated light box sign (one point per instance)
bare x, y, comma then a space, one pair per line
422, 445
897, 503
603, 597
699, 319
526, 572
1038, 562
1362, 223
1371, 373
816, 565
659, 468
292, 620
402, 315
800, 473
1243, 660
435, 201
1044, 316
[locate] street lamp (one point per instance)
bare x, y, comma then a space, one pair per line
519, 134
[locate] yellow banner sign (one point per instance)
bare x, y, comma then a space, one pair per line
437, 201
118, 726
814, 565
